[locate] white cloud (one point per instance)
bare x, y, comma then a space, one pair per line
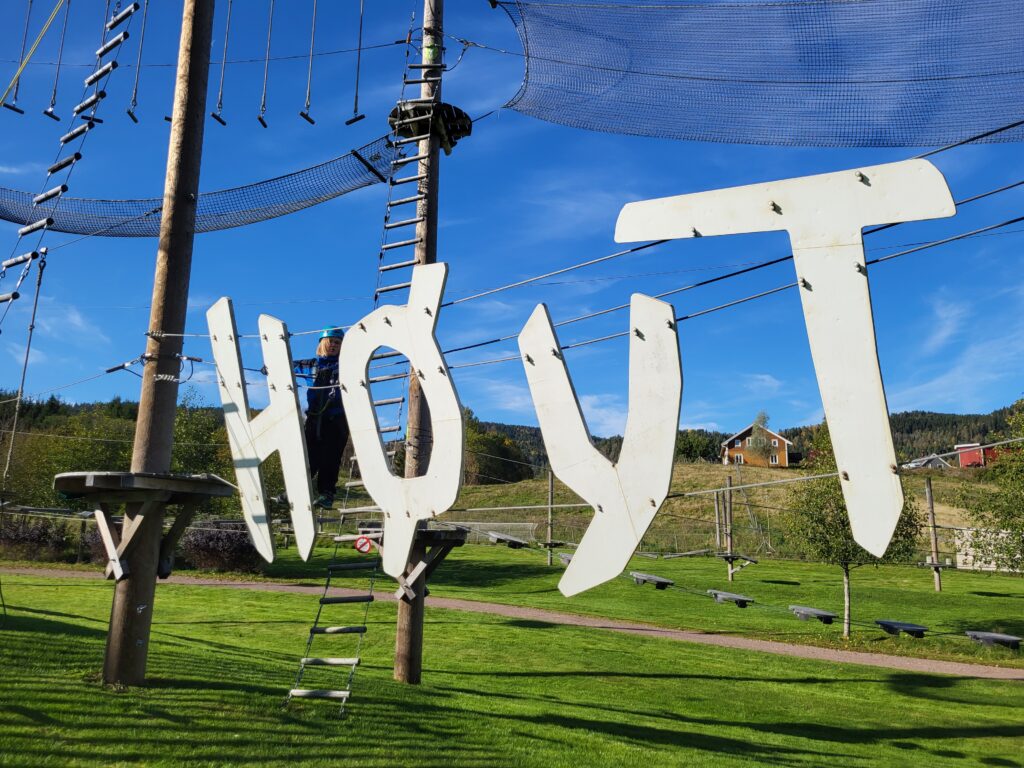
763, 384
20, 170
66, 322
605, 414
948, 318
36, 356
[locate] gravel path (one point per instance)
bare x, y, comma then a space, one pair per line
903, 663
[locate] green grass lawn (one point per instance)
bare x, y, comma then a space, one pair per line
496, 691
985, 601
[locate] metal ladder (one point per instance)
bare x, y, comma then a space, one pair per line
348, 664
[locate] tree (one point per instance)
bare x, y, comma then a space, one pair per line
699, 445
998, 514
492, 457
820, 522
760, 444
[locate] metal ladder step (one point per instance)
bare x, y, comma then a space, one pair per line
388, 377
307, 693
346, 599
393, 182
313, 661
385, 430
354, 484
405, 223
407, 200
389, 288
388, 401
411, 140
404, 161
401, 244
362, 565
337, 631
425, 66
421, 80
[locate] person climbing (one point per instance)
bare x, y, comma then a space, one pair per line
326, 425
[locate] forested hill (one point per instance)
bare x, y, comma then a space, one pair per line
921, 433
915, 433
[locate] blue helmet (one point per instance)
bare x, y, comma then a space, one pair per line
332, 333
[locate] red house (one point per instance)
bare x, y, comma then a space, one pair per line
973, 455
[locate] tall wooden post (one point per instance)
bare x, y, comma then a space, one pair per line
930, 499
718, 522
132, 612
728, 524
418, 437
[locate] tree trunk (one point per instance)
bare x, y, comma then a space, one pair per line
846, 601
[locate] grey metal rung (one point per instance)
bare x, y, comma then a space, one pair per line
388, 401
354, 484
389, 288
418, 118
388, 377
403, 161
346, 537
345, 599
92, 101
385, 430
12, 296
425, 66
405, 223
406, 200
401, 244
422, 80
35, 227
337, 631
311, 693
115, 22
111, 44
358, 565
408, 179
389, 454
397, 265
76, 132
386, 355
16, 260
100, 73
411, 140
329, 661
50, 194
417, 101
60, 165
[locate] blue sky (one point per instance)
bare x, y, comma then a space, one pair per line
519, 197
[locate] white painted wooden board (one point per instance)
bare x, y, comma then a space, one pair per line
277, 428
626, 495
824, 216
410, 330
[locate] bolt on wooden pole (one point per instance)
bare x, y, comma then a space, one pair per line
132, 612
936, 567
418, 437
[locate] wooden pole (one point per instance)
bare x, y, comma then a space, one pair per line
718, 522
409, 631
551, 502
418, 437
132, 612
728, 524
936, 568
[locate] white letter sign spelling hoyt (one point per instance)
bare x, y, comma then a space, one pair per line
824, 216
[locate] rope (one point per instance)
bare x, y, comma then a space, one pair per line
60, 56
16, 80
24, 366
224, 58
138, 69
309, 73
359, 58
266, 66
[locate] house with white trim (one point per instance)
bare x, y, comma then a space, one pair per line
757, 446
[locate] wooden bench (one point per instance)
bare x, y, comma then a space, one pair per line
804, 613
742, 601
510, 541
893, 627
994, 638
650, 578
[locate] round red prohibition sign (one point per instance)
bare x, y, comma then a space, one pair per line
363, 545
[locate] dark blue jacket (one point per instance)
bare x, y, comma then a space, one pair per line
323, 396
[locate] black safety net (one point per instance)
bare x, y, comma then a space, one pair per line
785, 72
222, 209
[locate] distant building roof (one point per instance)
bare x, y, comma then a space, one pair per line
750, 427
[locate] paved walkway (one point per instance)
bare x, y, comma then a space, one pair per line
903, 663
